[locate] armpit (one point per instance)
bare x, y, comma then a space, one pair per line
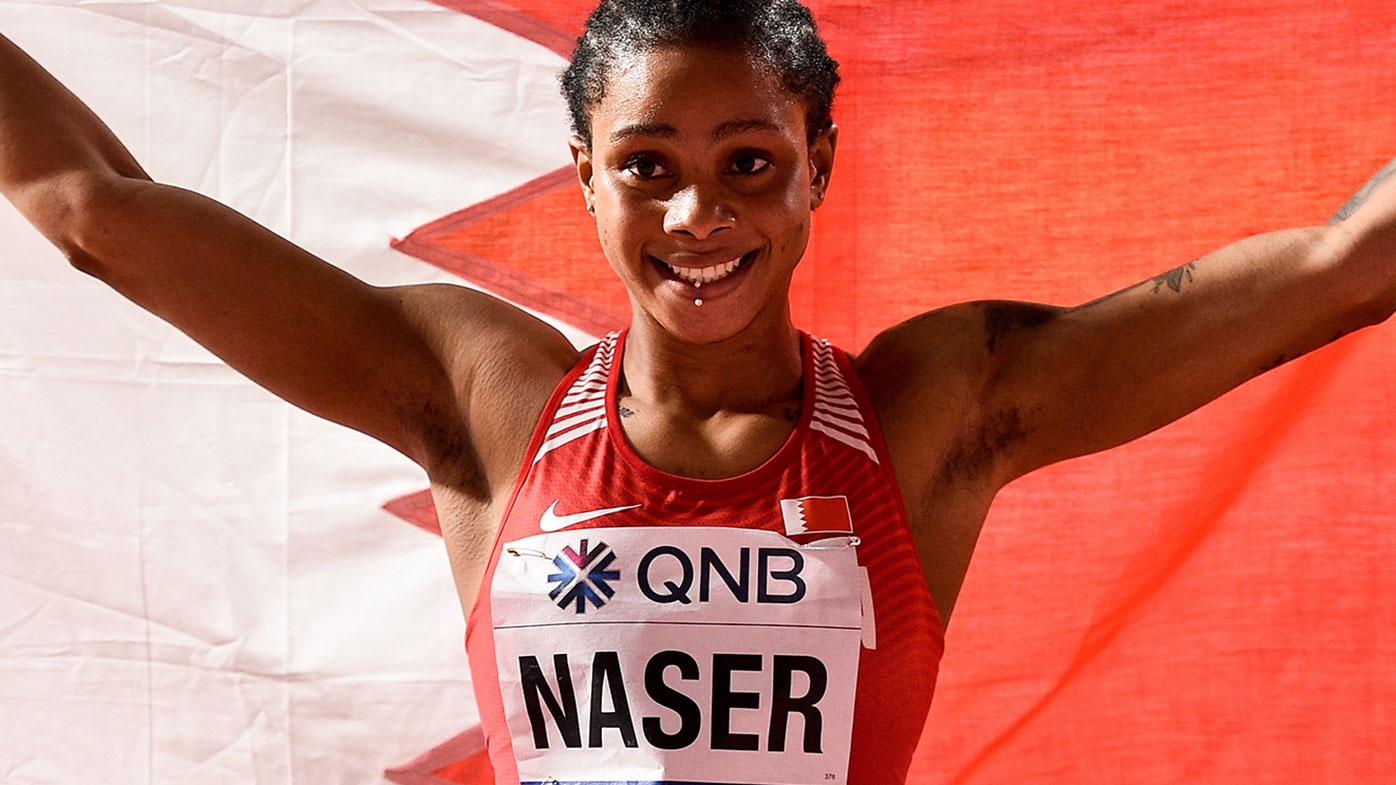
976, 454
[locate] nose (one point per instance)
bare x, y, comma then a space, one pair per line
698, 211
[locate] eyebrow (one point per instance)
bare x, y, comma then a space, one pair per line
734, 127
722, 131
644, 129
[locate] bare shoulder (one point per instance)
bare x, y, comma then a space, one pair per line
502, 364
934, 381
936, 347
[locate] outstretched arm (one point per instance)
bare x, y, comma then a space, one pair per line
395, 363
1050, 383
1098, 375
974, 395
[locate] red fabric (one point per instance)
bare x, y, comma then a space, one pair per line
1213, 603
474, 770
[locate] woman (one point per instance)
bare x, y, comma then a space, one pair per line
702, 151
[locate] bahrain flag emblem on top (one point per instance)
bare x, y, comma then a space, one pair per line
823, 516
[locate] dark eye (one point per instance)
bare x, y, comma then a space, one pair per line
646, 168
748, 164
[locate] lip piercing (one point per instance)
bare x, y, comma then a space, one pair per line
698, 301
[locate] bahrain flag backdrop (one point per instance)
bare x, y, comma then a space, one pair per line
201, 584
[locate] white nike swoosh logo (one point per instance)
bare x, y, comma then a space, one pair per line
551, 521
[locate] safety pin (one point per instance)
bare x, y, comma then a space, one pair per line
512, 551
829, 543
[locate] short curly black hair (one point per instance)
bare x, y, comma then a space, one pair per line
781, 33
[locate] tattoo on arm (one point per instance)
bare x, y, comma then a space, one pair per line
624, 412
1175, 278
1364, 193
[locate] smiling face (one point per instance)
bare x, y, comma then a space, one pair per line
703, 180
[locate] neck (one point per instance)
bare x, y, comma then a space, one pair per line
748, 372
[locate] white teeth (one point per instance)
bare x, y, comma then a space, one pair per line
701, 275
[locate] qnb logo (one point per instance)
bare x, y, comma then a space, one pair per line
583, 577
667, 574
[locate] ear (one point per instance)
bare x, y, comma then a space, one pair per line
581, 159
821, 164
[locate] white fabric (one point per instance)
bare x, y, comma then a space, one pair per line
697, 622
197, 583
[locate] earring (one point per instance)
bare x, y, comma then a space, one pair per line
591, 208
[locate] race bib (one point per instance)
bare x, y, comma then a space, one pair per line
678, 655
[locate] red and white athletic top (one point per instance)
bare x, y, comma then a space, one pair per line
635, 626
